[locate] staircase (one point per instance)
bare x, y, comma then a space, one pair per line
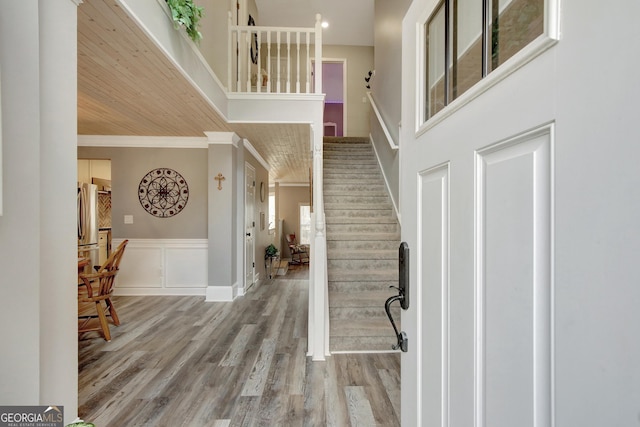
363, 236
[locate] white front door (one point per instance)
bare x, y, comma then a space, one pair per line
521, 209
250, 225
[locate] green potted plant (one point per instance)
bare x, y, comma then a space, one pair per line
186, 13
270, 251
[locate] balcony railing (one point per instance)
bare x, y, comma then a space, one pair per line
274, 59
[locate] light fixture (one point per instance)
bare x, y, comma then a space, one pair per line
325, 24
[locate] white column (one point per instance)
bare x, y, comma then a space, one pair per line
20, 220
58, 175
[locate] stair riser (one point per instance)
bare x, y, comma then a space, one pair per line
359, 276
345, 189
364, 266
342, 157
362, 255
362, 286
357, 199
354, 178
364, 237
363, 228
361, 299
353, 245
340, 212
374, 344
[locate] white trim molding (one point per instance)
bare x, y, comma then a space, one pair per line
223, 138
141, 141
256, 155
221, 293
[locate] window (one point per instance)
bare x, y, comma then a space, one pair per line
272, 212
305, 225
468, 39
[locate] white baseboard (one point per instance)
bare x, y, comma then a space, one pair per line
159, 291
221, 293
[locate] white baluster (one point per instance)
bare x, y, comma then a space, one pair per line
259, 61
308, 74
269, 61
288, 62
298, 62
318, 44
229, 58
248, 61
278, 89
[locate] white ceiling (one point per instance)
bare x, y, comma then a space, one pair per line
350, 21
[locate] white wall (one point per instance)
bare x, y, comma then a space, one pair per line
385, 84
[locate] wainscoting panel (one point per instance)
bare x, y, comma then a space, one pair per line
514, 282
186, 267
163, 267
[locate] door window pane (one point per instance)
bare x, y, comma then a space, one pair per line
513, 24
305, 225
272, 211
435, 33
466, 43
456, 35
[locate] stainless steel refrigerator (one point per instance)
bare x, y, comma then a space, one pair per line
88, 223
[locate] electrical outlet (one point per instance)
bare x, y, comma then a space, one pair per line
128, 219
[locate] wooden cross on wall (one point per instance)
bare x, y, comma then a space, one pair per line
219, 178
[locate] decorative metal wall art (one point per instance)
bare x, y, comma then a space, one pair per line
163, 192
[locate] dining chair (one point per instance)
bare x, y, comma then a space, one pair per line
299, 253
99, 289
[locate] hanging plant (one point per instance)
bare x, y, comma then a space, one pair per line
186, 13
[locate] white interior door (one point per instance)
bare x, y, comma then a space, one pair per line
250, 225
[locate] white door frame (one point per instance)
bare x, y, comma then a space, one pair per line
343, 61
249, 226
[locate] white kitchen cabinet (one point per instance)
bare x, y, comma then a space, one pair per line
103, 246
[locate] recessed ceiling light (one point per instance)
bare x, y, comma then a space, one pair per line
325, 24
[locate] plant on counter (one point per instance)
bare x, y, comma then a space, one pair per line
186, 13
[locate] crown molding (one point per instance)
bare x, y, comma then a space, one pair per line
142, 141
251, 149
223, 138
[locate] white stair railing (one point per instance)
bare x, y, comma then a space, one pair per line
273, 59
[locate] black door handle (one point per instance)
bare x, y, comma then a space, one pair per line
402, 297
249, 234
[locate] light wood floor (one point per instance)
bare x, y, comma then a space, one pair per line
178, 361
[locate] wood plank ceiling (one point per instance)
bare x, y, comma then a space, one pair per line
127, 86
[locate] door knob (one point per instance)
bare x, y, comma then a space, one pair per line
249, 234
